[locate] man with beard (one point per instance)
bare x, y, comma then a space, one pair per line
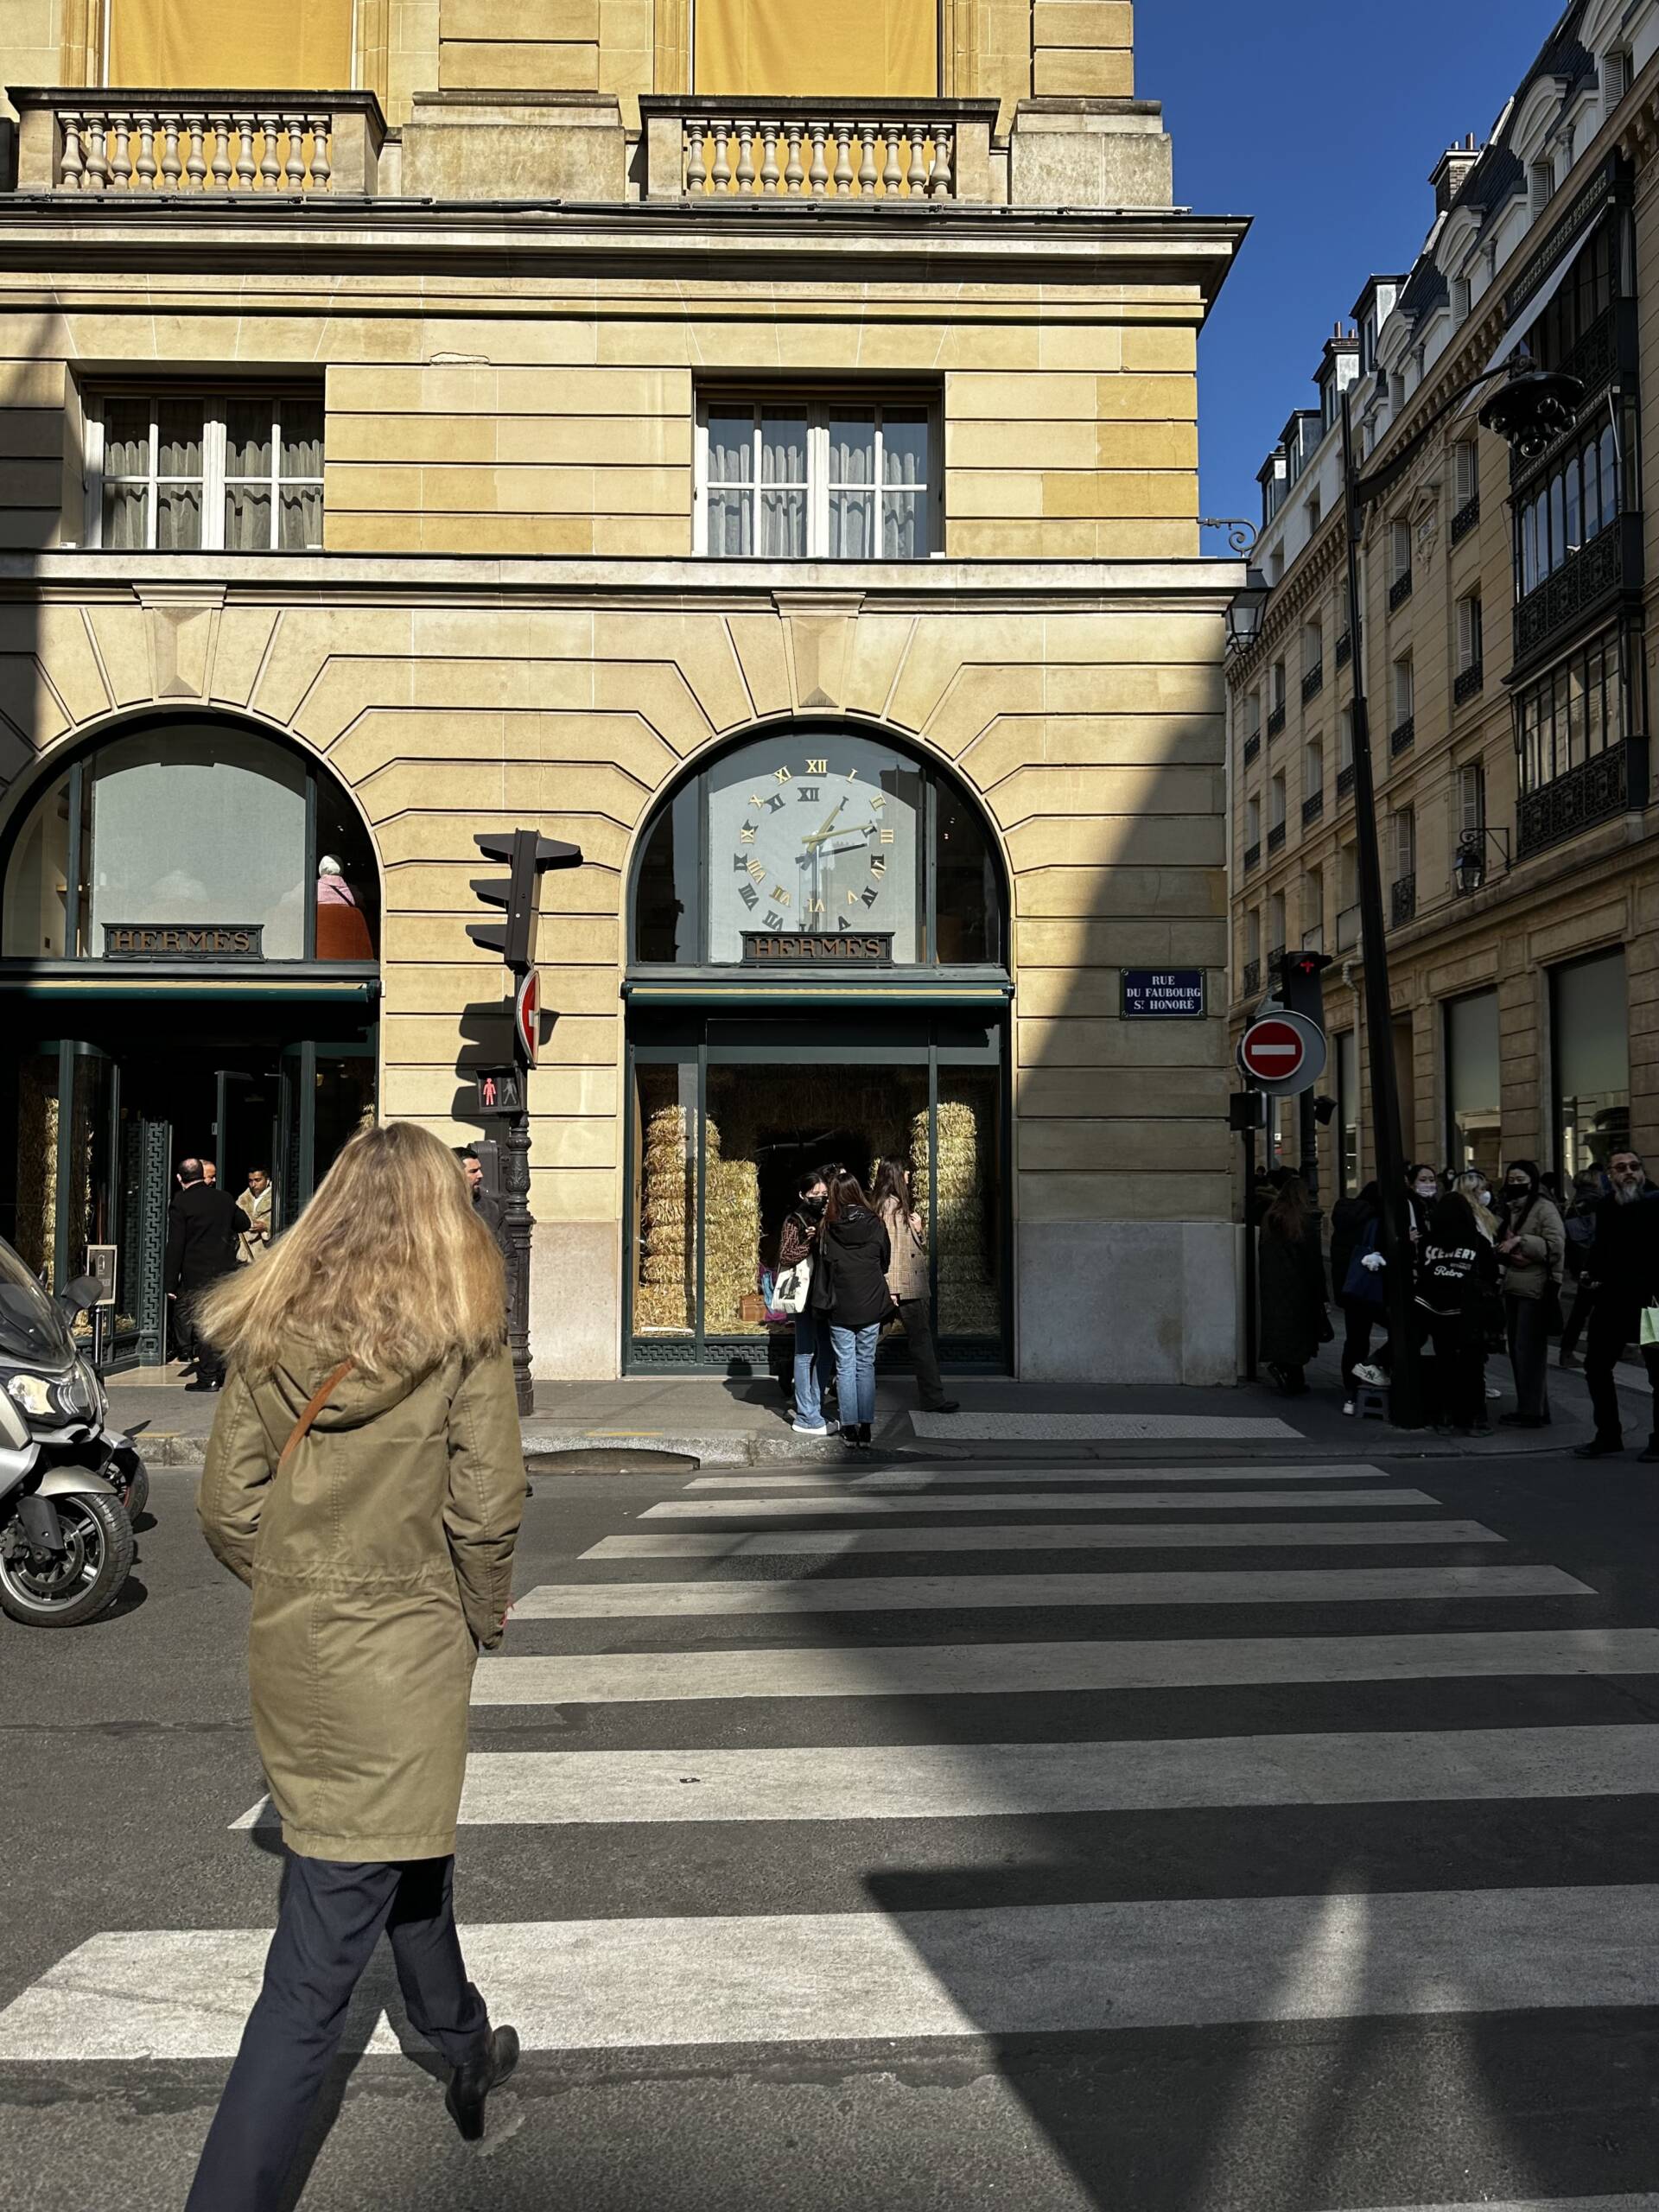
1622, 1270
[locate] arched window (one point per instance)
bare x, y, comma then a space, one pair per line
822, 832
191, 836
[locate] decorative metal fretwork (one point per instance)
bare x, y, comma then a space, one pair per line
1250, 982
143, 1232
1465, 518
1252, 747
1252, 854
1344, 780
1583, 584
1276, 836
1468, 683
1344, 648
1400, 737
1607, 784
1402, 899
1313, 681
1400, 590
1314, 806
1276, 721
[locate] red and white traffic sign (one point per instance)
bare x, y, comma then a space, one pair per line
527, 1016
1284, 1053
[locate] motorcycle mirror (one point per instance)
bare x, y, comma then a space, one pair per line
80, 1295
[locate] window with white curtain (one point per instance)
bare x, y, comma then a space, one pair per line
189, 472
818, 479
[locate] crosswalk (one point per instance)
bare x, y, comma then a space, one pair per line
1241, 1781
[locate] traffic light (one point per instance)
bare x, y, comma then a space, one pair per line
1302, 989
527, 857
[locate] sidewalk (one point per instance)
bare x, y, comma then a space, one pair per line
733, 1421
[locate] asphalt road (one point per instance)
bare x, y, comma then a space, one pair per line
1141, 1920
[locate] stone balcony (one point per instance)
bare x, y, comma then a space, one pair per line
887, 153
205, 142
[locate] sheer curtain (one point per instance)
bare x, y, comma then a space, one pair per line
784, 481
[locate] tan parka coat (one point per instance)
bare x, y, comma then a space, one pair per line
380, 1560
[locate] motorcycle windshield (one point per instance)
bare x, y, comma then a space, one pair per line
32, 1328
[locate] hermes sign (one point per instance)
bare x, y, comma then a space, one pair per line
866, 948
184, 940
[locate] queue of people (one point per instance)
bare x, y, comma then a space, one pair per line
1488, 1271
855, 1262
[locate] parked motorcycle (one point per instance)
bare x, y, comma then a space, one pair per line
69, 1484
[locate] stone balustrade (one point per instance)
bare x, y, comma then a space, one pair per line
854, 150
71, 139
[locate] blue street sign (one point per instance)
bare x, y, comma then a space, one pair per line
1163, 994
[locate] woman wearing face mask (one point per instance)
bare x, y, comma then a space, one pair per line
1424, 1185
796, 1241
1532, 1247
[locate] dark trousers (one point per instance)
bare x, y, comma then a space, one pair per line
1583, 1305
1614, 1323
187, 1337
1460, 1371
330, 1920
1526, 1322
917, 1318
1359, 1318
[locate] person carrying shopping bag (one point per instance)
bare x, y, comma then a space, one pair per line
365, 1477
850, 1289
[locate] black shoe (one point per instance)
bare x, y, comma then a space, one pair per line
203, 1383
1600, 1447
1650, 1457
944, 1406
471, 2084
1523, 1420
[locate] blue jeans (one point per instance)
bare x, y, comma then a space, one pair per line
812, 1357
855, 1372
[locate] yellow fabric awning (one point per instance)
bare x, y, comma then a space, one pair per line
802, 49
250, 45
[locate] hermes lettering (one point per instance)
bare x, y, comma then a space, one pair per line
184, 941
848, 947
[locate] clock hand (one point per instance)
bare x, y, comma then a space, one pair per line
823, 830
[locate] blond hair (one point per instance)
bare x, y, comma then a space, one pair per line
389, 1265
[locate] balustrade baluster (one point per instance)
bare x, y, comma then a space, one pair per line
244, 168
892, 175
294, 168
269, 168
746, 156
98, 151
792, 177
917, 159
195, 167
819, 175
939, 184
146, 163
171, 164
866, 160
320, 170
769, 158
71, 168
722, 132
220, 126
121, 167
843, 183
696, 170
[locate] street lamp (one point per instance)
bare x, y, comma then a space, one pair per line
1531, 409
1245, 610
1469, 862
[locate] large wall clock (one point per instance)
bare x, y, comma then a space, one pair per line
819, 833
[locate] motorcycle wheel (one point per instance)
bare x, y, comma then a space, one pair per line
97, 1558
137, 1491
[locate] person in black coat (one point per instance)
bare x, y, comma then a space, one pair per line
1293, 1323
1456, 1269
203, 1225
1355, 1228
849, 1284
1621, 1273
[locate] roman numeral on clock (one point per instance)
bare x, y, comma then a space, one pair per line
756, 869
817, 768
807, 792
749, 895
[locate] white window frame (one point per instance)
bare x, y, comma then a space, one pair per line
1465, 465
1405, 842
1471, 632
214, 478
1313, 759
817, 406
1399, 550
1471, 797
1278, 799
1405, 692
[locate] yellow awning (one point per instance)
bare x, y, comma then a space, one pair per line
802, 50
250, 46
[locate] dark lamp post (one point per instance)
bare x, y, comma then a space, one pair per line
1532, 407
1469, 863
1245, 610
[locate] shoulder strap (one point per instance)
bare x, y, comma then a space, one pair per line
314, 1404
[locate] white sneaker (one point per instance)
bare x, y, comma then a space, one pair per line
808, 1428
1349, 1407
1369, 1372
1492, 1392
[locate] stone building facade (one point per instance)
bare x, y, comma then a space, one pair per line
489, 432
1509, 652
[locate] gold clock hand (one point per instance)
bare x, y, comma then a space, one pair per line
823, 831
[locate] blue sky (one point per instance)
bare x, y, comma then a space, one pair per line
1322, 119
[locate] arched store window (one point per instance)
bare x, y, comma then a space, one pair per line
196, 826
819, 831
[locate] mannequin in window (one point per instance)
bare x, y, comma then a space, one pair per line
342, 932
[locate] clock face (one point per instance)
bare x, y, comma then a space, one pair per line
818, 833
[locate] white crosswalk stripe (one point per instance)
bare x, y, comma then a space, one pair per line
872, 1593
1058, 1536
645, 1704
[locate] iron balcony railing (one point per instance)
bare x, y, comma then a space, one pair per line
1465, 518
1252, 747
1608, 783
1344, 780
1252, 854
1344, 648
1400, 590
1251, 982
1313, 805
1276, 836
1276, 720
1468, 683
1400, 736
1402, 899
1313, 681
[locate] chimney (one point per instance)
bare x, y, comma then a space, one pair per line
1450, 171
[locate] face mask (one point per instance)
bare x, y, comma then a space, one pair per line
1485, 1197
1515, 1190
1427, 1190
813, 1205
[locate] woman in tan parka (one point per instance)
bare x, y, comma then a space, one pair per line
364, 1478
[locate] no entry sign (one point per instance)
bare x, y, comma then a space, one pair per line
1284, 1053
